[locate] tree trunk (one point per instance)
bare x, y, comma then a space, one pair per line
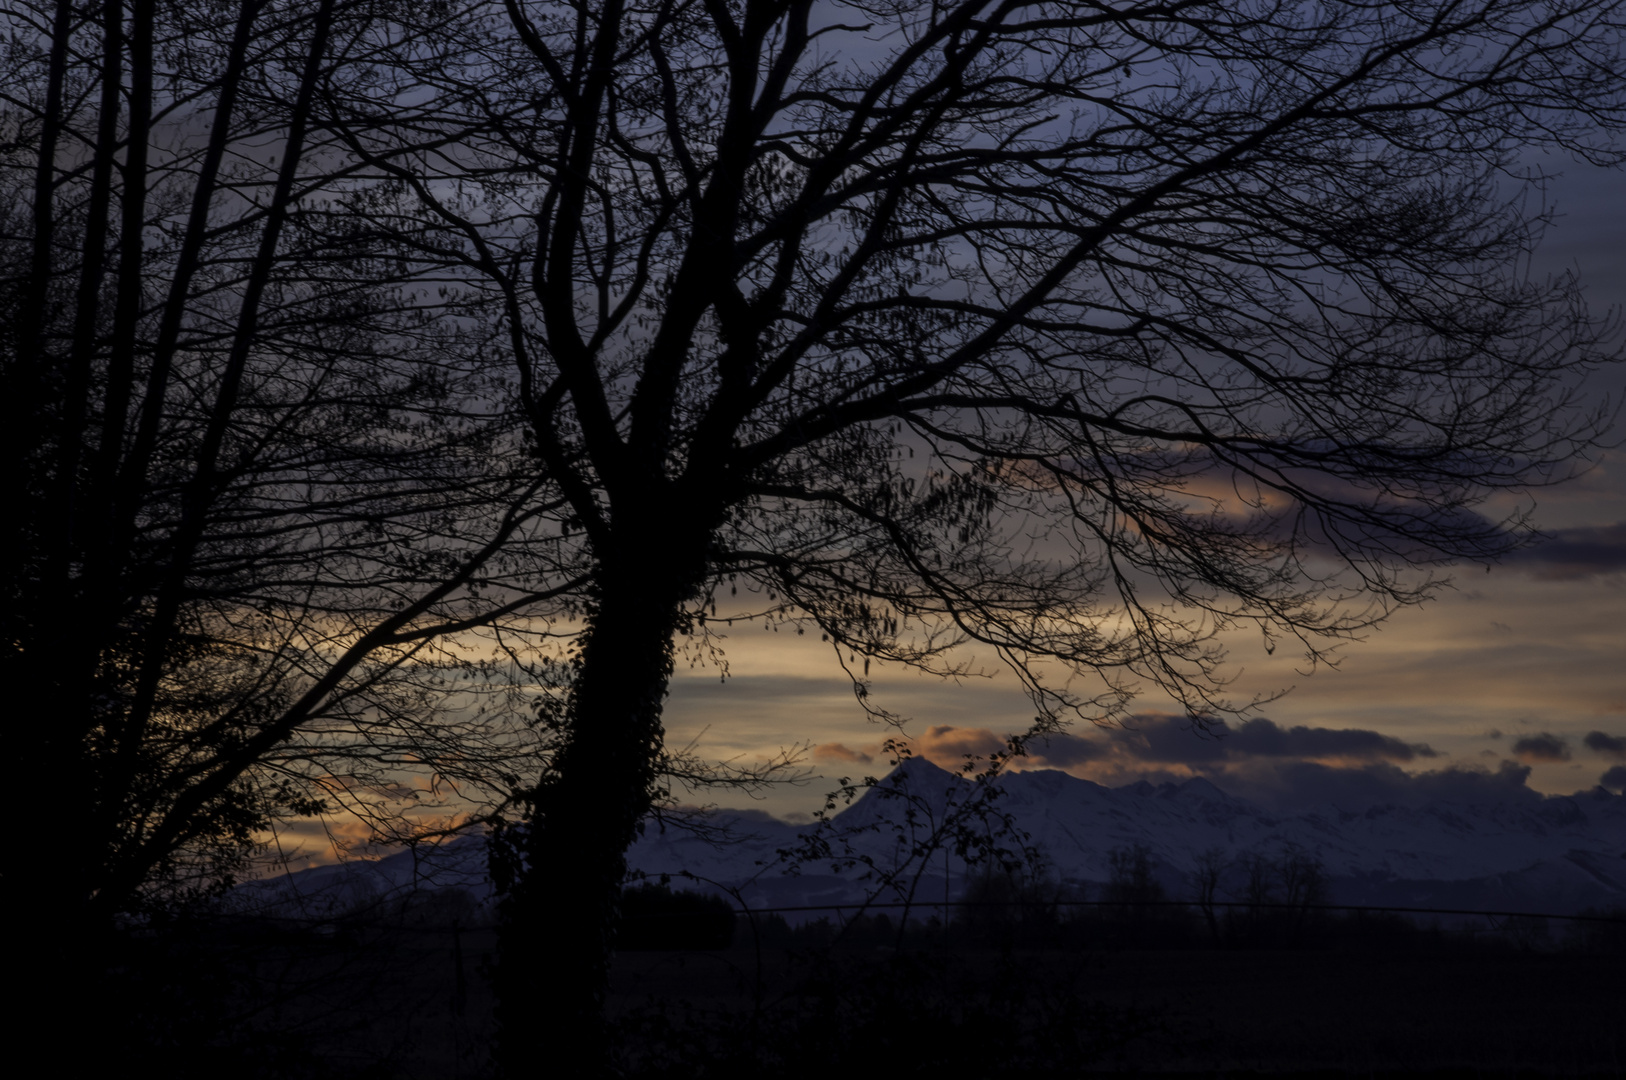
560, 916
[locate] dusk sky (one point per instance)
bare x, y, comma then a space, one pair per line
1508, 670
443, 433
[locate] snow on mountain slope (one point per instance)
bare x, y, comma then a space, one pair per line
1565, 851
1077, 823
371, 885
1553, 854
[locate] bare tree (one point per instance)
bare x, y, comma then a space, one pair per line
1303, 878
1258, 891
1210, 870
1132, 882
258, 498
1084, 332
1304, 886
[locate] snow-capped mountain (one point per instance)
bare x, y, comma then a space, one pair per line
1558, 854
919, 825
452, 874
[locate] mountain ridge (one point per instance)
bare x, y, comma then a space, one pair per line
1558, 854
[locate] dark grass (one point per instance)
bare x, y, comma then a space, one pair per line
1112, 995
1209, 1012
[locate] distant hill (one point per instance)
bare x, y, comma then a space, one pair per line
1554, 854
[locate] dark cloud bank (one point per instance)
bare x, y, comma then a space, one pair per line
1613, 746
1173, 740
1543, 747
1294, 767
1287, 768
1567, 554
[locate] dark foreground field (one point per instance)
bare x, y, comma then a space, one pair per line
370, 1001
1201, 1013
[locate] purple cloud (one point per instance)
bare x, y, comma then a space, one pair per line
1299, 784
1576, 553
1608, 745
1263, 738
1176, 740
1543, 747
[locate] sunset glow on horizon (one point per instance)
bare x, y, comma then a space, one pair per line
1536, 646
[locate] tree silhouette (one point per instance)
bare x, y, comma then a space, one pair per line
251, 487
1209, 872
1084, 332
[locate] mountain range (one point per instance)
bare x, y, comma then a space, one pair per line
923, 833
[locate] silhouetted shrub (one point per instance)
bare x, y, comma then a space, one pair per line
907, 1014
1009, 909
1598, 938
656, 917
1132, 883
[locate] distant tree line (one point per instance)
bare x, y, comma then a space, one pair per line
1253, 901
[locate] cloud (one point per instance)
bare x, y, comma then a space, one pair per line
1299, 784
1614, 779
1287, 768
1543, 747
836, 752
1263, 738
1458, 783
1171, 739
1062, 751
949, 746
1608, 745
1288, 785
1575, 553
944, 745
1388, 527
1174, 743
1154, 737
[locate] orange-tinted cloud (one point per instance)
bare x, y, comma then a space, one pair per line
949, 747
837, 752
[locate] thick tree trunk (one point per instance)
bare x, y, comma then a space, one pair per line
559, 919
53, 906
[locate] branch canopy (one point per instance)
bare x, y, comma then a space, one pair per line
339, 333
1084, 331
